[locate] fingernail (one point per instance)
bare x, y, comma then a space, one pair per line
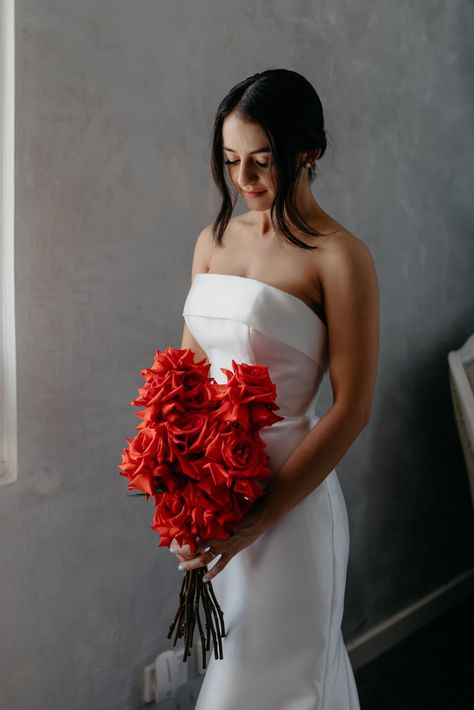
206, 579
180, 567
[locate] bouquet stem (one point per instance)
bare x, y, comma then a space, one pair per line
193, 591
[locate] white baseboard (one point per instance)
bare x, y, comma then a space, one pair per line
383, 636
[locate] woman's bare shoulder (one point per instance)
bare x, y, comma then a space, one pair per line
233, 229
340, 239
346, 260
202, 250
341, 246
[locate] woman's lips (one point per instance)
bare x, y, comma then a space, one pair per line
254, 194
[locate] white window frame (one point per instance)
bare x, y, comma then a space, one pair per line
8, 399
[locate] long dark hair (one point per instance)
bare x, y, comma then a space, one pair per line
289, 110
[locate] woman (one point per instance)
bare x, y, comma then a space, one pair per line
286, 286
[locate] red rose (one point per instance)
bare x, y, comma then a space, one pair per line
139, 460
240, 453
188, 439
174, 385
146, 463
171, 518
248, 397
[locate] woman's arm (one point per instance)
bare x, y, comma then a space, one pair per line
202, 252
351, 300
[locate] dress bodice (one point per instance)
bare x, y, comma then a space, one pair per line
243, 319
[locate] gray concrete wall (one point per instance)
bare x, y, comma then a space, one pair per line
114, 104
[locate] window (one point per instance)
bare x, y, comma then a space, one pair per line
8, 419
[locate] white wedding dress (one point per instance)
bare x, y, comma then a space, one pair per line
283, 595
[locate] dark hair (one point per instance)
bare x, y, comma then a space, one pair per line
290, 112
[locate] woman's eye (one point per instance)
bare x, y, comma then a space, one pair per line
233, 162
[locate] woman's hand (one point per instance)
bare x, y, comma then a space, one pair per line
252, 525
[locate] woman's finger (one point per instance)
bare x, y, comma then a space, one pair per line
201, 560
218, 567
183, 552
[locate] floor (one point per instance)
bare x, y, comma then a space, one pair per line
433, 669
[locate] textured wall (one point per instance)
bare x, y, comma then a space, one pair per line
114, 103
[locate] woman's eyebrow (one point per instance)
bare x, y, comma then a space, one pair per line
265, 149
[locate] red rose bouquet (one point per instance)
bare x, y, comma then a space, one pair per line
199, 454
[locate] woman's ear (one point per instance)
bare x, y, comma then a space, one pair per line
311, 156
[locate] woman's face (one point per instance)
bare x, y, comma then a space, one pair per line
248, 158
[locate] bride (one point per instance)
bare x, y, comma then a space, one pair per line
284, 285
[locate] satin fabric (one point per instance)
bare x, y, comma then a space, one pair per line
283, 595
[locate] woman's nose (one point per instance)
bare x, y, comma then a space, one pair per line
246, 175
